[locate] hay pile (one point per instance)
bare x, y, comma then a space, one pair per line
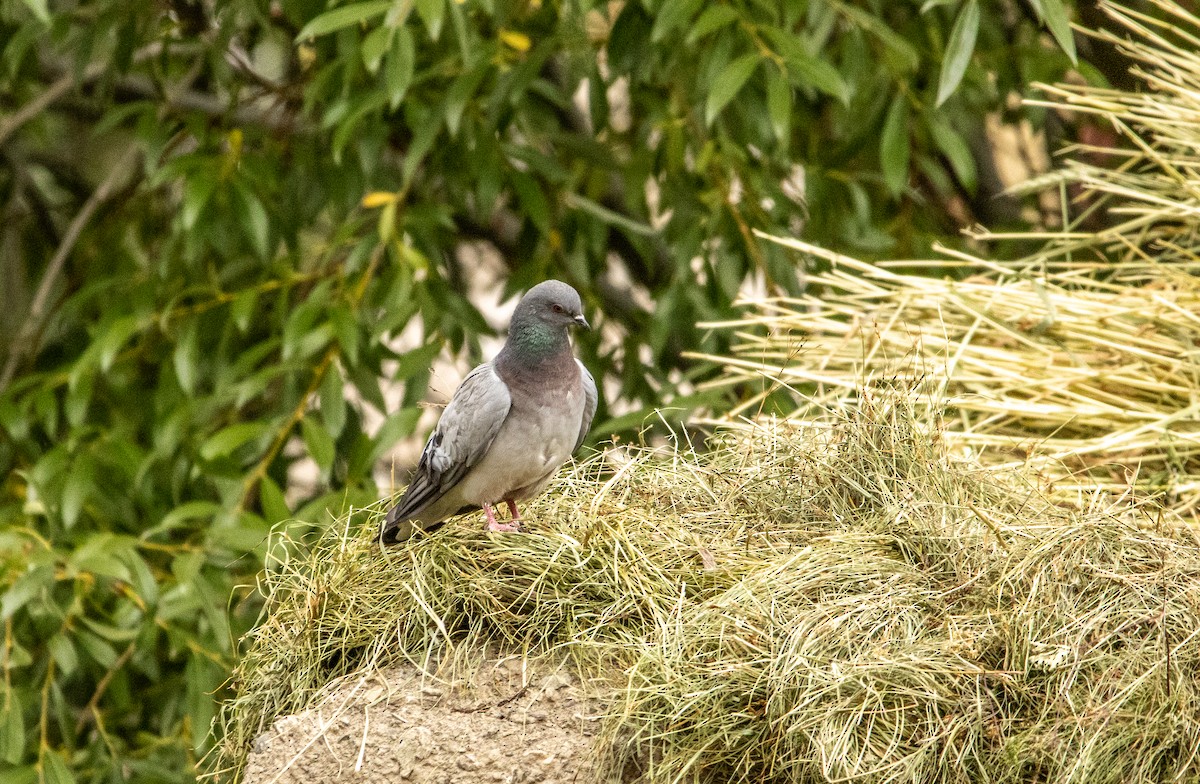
847, 601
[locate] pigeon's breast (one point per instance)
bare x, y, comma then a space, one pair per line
536, 438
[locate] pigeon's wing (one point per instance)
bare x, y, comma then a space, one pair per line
462, 437
590, 398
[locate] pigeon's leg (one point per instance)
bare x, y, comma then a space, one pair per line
494, 525
512, 509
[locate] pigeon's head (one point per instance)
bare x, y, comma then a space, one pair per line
552, 303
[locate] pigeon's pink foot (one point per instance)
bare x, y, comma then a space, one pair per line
512, 509
506, 528
495, 525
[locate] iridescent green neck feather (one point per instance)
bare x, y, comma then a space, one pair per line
535, 340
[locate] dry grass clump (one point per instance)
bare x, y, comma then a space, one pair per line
609, 551
960, 628
1082, 373
845, 601
1084, 356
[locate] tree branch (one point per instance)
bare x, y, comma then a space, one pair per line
24, 344
276, 116
63, 85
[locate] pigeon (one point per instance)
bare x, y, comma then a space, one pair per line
509, 425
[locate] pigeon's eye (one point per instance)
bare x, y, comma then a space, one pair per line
557, 308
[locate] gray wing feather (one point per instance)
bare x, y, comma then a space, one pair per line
462, 437
590, 399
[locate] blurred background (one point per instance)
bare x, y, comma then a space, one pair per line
245, 245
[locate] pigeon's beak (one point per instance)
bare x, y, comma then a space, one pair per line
580, 321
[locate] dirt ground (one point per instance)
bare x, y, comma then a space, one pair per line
510, 722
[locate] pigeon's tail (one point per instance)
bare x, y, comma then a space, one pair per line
399, 524
395, 529
399, 527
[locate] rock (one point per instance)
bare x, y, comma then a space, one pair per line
515, 721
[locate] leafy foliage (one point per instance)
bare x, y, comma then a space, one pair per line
220, 217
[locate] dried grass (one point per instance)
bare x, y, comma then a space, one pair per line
846, 601
1079, 376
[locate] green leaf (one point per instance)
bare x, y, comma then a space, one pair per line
397, 15
100, 651
242, 533
110, 633
423, 138
55, 769
628, 41
40, 9
808, 69
902, 55
387, 224
532, 199
141, 578
116, 334
243, 307
432, 12
958, 50
466, 41
24, 589
80, 482
199, 676
17, 419
346, 328
416, 361
186, 568
186, 359
714, 18
611, 217
196, 194
63, 653
228, 439
26, 774
273, 502
319, 443
301, 336
333, 402
367, 385
821, 76
19, 656
79, 398
374, 45
190, 510
673, 14
893, 146
418, 262
1054, 14
597, 100
460, 91
100, 554
256, 226
397, 426
368, 104
12, 729
338, 18
728, 83
401, 64
779, 105
957, 152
